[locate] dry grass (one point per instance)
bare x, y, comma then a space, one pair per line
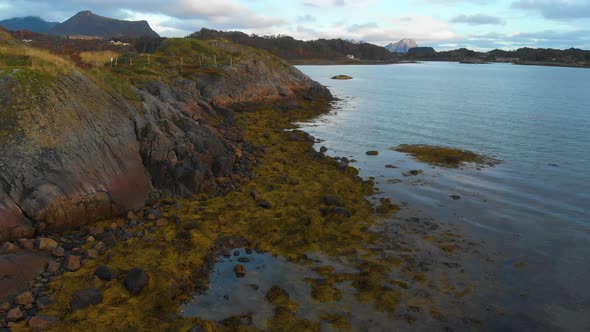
38, 59
98, 57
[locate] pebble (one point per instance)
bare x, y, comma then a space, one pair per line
240, 271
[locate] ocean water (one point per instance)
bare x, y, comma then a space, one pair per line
531, 213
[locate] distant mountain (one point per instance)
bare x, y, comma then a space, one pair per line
421, 51
571, 57
89, 24
31, 23
401, 46
295, 50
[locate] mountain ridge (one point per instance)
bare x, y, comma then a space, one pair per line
89, 24
31, 23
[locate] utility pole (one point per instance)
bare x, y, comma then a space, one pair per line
231, 61
149, 59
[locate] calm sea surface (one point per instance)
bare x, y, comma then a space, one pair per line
531, 212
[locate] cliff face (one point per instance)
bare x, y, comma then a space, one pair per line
72, 153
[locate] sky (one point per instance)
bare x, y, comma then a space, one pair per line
443, 24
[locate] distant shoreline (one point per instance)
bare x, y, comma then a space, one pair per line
323, 62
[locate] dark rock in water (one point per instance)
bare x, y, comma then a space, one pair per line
84, 298
390, 166
413, 172
336, 210
226, 253
455, 197
331, 200
103, 272
236, 253
243, 259
136, 280
342, 165
323, 149
553, 165
264, 204
254, 287
240, 271
372, 153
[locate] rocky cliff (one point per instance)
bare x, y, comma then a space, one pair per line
73, 150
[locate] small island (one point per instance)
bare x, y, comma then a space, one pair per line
445, 156
341, 77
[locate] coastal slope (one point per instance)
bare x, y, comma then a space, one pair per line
83, 145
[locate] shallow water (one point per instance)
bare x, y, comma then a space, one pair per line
531, 212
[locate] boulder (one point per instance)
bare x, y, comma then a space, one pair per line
46, 244
136, 280
72, 263
84, 298
24, 298
103, 272
14, 315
